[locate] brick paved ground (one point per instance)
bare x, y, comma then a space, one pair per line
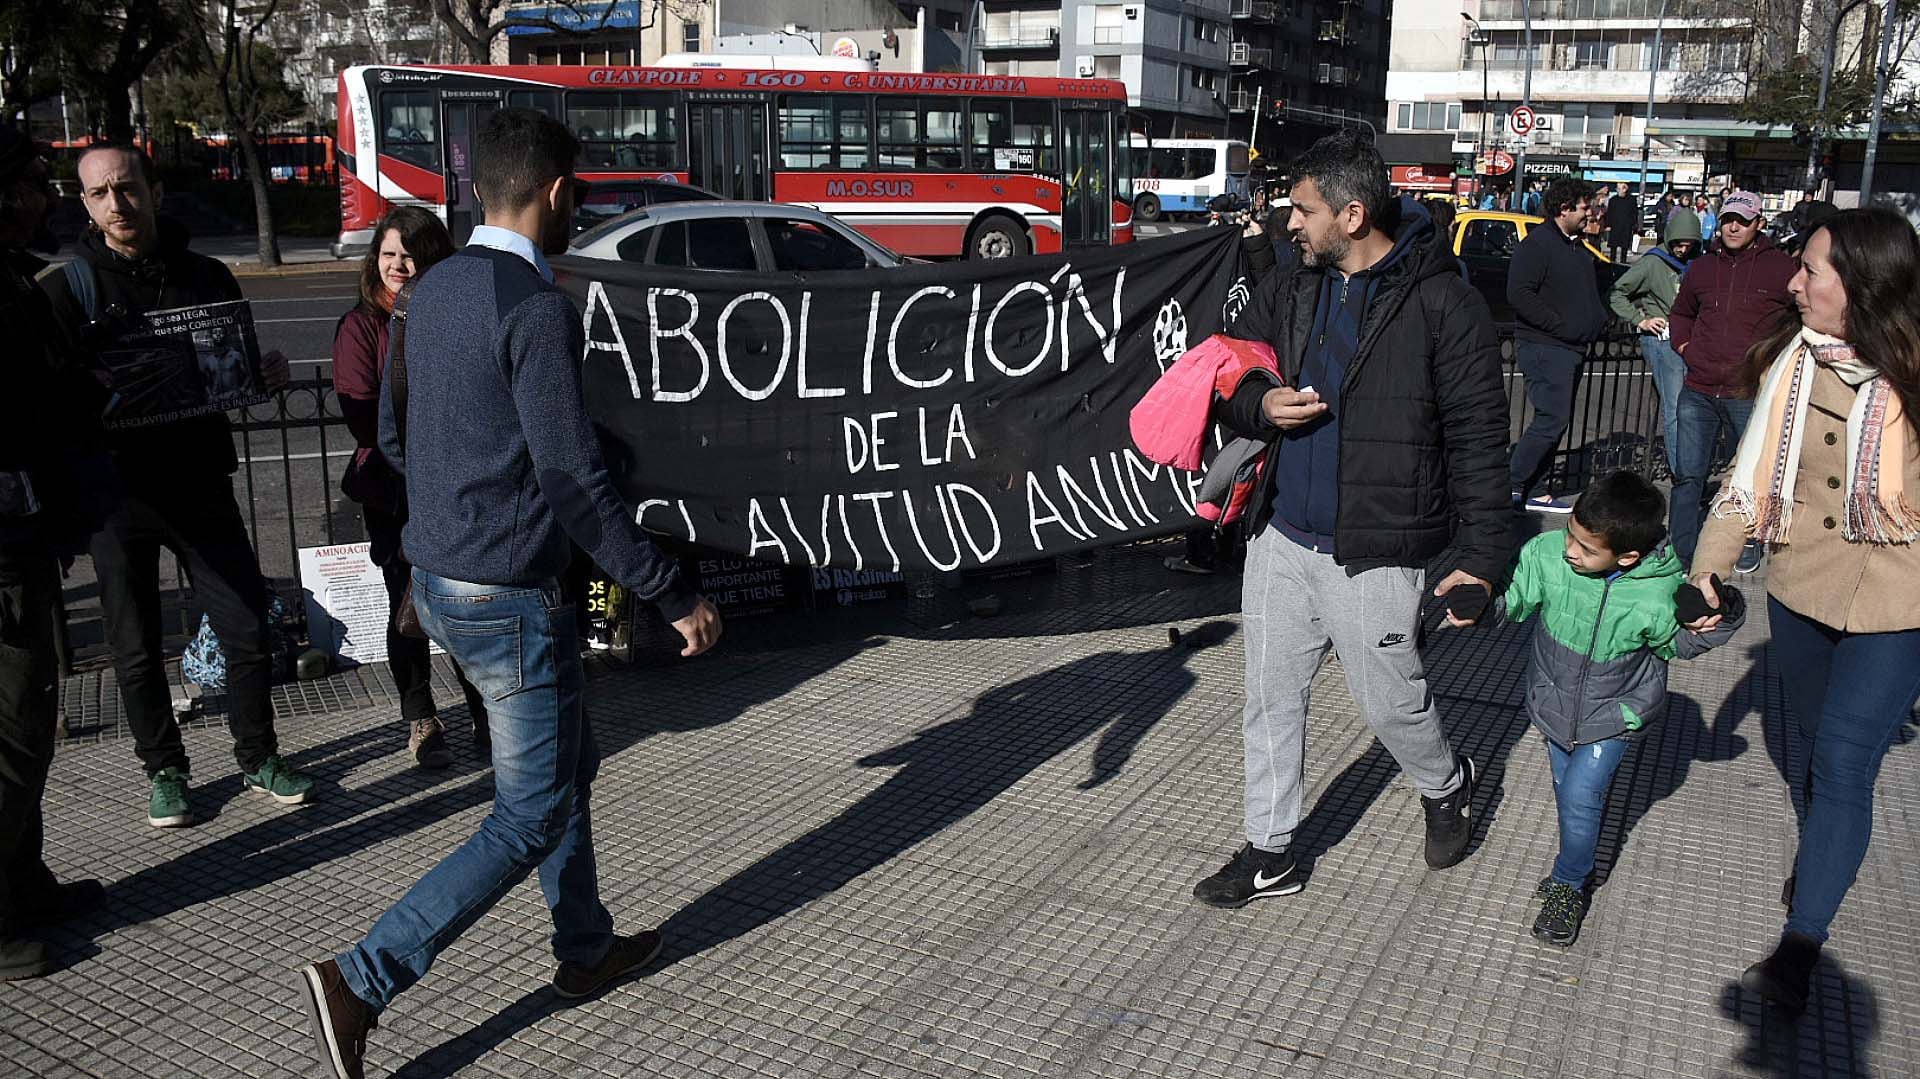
923, 844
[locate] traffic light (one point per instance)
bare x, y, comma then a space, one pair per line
1278, 106
1803, 135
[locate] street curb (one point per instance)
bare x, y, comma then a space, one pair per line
294, 269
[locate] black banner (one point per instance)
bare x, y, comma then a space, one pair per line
926, 417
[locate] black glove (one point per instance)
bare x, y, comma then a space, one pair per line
1690, 604
1467, 602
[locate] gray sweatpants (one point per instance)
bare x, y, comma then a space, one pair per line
1295, 603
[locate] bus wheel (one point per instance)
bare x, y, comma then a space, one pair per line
997, 236
1146, 208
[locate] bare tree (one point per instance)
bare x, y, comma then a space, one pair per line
122, 39
234, 51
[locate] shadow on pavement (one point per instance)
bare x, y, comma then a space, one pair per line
1655, 768
948, 772
1833, 1038
343, 821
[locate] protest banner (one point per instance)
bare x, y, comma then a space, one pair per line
929, 417
184, 362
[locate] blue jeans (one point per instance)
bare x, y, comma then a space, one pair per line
1701, 419
1849, 693
1581, 777
1669, 373
520, 646
1551, 373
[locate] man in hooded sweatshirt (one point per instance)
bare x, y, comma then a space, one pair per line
1644, 296
1387, 428
178, 492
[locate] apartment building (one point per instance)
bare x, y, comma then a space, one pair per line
1172, 54
1305, 68
1459, 74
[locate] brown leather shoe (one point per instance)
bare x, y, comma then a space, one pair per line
629, 955
340, 1019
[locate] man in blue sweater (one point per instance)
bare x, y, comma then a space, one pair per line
502, 469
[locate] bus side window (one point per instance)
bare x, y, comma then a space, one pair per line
624, 129
1008, 135
942, 127
897, 128
407, 128
547, 101
823, 131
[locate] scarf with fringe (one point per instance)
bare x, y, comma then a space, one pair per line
1760, 489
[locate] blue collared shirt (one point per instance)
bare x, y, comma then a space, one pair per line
513, 243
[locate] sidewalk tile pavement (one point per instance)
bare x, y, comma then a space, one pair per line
921, 845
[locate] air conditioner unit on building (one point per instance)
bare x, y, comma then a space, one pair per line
1083, 66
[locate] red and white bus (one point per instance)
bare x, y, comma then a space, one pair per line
927, 164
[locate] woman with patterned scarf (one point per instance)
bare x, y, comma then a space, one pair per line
1827, 477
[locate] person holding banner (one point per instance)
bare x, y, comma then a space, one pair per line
406, 243
178, 491
502, 468
1388, 433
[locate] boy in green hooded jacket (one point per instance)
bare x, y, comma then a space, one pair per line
1644, 296
1605, 590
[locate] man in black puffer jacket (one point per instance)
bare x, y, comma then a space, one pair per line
1557, 313
178, 491
1389, 436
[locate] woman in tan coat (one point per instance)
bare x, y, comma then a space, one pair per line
1828, 477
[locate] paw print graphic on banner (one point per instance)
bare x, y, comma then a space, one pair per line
1237, 299
1169, 334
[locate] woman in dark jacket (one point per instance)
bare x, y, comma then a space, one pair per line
406, 243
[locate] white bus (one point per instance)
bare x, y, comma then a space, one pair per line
1179, 176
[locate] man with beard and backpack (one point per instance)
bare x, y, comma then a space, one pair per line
178, 492
1388, 433
1644, 296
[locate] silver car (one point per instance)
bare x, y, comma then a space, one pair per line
724, 235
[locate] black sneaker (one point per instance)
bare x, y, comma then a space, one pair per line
1562, 908
627, 956
22, 958
1251, 874
1785, 977
1449, 821
1750, 556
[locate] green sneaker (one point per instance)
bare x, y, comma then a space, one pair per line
278, 780
167, 802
